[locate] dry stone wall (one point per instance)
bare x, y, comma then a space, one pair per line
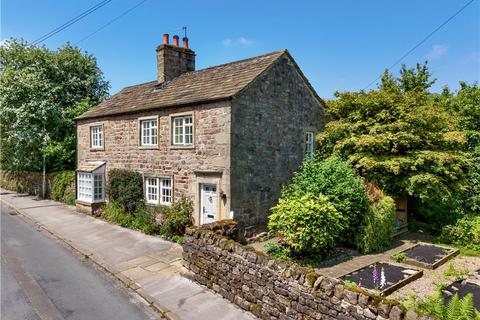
271, 289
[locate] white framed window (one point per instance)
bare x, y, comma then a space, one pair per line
90, 187
96, 137
158, 190
148, 132
182, 130
151, 188
309, 144
166, 191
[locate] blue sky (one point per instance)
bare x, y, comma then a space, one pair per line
340, 45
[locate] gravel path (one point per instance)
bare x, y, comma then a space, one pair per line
427, 284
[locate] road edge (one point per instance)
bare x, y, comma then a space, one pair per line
127, 282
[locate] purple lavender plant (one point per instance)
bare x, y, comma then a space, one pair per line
375, 276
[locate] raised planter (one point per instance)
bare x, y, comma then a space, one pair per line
370, 277
428, 256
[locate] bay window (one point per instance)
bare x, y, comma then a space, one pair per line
90, 187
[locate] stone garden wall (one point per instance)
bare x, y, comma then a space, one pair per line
272, 289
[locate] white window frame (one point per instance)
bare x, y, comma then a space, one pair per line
309, 144
91, 187
148, 128
96, 137
182, 130
159, 190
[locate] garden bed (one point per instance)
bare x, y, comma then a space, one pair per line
428, 256
382, 277
462, 288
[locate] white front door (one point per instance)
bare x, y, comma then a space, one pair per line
208, 203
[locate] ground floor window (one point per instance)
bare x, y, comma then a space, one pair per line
158, 190
90, 187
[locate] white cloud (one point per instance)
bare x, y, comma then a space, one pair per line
242, 41
437, 51
227, 42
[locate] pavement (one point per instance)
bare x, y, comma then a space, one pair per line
42, 279
148, 265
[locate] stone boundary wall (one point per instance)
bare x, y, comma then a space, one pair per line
25, 182
272, 289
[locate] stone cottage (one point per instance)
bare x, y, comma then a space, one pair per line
227, 137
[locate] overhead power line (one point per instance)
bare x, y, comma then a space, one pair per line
71, 21
111, 21
422, 41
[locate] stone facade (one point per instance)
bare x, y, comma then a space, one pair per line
208, 161
248, 144
269, 122
271, 289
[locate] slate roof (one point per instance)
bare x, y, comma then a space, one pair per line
214, 83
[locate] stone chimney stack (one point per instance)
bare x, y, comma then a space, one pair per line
173, 60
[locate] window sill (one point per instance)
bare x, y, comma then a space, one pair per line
179, 147
86, 203
97, 149
149, 147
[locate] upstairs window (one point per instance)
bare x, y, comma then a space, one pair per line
309, 143
182, 130
158, 190
148, 132
96, 137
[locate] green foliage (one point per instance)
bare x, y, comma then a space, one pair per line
415, 79
63, 187
142, 220
456, 309
458, 274
307, 224
336, 180
438, 213
41, 91
145, 221
405, 141
176, 218
126, 188
350, 284
399, 257
113, 212
466, 232
278, 251
378, 225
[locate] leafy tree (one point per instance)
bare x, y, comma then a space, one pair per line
402, 139
41, 91
415, 79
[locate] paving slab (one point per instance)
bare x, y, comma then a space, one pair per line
150, 265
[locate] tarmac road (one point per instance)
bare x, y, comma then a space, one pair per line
42, 279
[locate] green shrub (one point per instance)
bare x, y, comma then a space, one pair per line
176, 218
466, 232
144, 221
307, 224
336, 180
126, 189
63, 186
378, 225
278, 251
113, 212
399, 257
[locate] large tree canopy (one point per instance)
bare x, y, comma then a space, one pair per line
399, 137
41, 91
